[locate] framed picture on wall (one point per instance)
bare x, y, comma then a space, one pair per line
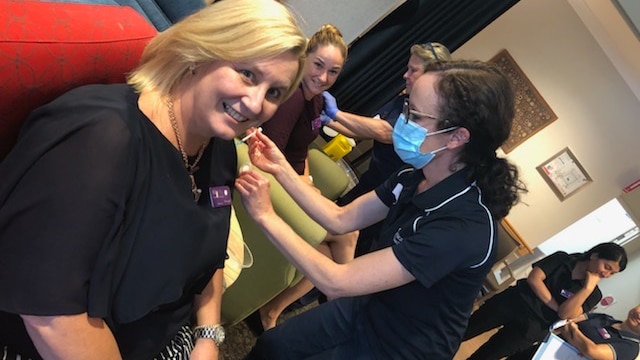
532, 113
564, 174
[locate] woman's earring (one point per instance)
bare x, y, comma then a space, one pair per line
192, 69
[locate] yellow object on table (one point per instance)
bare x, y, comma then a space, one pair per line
338, 147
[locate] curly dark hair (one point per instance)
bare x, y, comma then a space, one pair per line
477, 96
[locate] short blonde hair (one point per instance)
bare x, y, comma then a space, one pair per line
430, 52
229, 30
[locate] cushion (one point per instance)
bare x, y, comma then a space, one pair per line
49, 48
328, 176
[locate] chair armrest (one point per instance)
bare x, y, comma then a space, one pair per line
328, 176
271, 273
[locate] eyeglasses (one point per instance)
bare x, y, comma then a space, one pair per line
414, 115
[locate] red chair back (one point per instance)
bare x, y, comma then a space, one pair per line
48, 48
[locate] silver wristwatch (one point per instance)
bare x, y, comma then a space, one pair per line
213, 332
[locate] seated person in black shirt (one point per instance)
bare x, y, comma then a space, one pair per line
600, 336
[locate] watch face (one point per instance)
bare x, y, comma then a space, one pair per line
221, 335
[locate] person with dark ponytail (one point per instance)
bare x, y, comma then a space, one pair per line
411, 296
559, 286
383, 160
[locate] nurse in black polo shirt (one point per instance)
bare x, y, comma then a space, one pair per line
600, 336
560, 286
410, 297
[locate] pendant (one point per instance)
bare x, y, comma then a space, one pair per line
194, 189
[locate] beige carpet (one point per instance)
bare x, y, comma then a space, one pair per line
238, 342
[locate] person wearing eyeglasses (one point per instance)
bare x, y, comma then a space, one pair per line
384, 161
411, 296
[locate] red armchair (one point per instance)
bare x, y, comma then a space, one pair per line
49, 48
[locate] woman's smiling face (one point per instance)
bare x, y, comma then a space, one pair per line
633, 319
321, 69
224, 99
603, 267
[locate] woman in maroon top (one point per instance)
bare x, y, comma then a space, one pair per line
293, 128
297, 122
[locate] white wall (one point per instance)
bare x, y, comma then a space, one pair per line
597, 116
616, 36
597, 112
353, 18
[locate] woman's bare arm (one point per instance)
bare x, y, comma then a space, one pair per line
536, 282
572, 334
370, 273
207, 308
364, 211
572, 307
71, 337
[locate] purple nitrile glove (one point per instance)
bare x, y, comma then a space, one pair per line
324, 118
330, 105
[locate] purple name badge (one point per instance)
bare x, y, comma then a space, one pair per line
566, 293
220, 196
604, 333
316, 124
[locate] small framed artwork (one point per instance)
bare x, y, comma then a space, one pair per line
564, 174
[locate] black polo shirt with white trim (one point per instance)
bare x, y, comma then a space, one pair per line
446, 238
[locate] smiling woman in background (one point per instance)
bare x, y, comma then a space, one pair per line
108, 246
293, 128
297, 122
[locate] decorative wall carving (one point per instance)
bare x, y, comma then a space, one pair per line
532, 113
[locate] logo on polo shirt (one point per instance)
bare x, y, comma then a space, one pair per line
397, 190
397, 238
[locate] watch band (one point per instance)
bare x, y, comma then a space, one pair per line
213, 332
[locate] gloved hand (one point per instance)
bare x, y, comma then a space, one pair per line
330, 105
324, 118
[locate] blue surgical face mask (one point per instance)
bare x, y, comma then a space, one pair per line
407, 139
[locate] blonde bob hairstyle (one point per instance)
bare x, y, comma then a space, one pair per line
230, 30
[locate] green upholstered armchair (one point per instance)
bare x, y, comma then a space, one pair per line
271, 272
